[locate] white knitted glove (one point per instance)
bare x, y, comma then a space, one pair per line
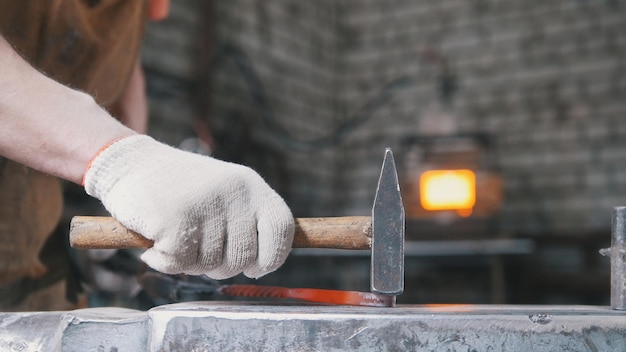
205, 216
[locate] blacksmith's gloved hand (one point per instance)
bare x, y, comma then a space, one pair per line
204, 215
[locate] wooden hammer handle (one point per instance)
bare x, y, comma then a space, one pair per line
350, 232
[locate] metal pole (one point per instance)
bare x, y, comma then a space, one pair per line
617, 253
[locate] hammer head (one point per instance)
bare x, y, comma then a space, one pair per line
387, 274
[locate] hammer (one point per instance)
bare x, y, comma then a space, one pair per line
383, 233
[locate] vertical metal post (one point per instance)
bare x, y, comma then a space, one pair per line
617, 253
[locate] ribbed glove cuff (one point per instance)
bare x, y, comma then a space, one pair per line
114, 161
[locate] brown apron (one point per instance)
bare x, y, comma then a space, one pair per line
90, 45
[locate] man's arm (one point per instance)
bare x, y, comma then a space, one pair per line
204, 215
46, 125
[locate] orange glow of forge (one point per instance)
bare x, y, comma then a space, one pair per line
448, 190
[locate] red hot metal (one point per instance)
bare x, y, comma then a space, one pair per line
337, 297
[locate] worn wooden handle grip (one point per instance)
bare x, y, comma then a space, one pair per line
350, 232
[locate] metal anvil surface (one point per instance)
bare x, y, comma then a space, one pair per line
246, 326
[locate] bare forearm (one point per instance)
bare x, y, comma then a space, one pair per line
46, 125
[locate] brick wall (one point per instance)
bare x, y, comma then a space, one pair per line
550, 83
310, 94
174, 57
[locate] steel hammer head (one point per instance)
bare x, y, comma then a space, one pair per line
387, 273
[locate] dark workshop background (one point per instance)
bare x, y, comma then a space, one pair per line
310, 93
